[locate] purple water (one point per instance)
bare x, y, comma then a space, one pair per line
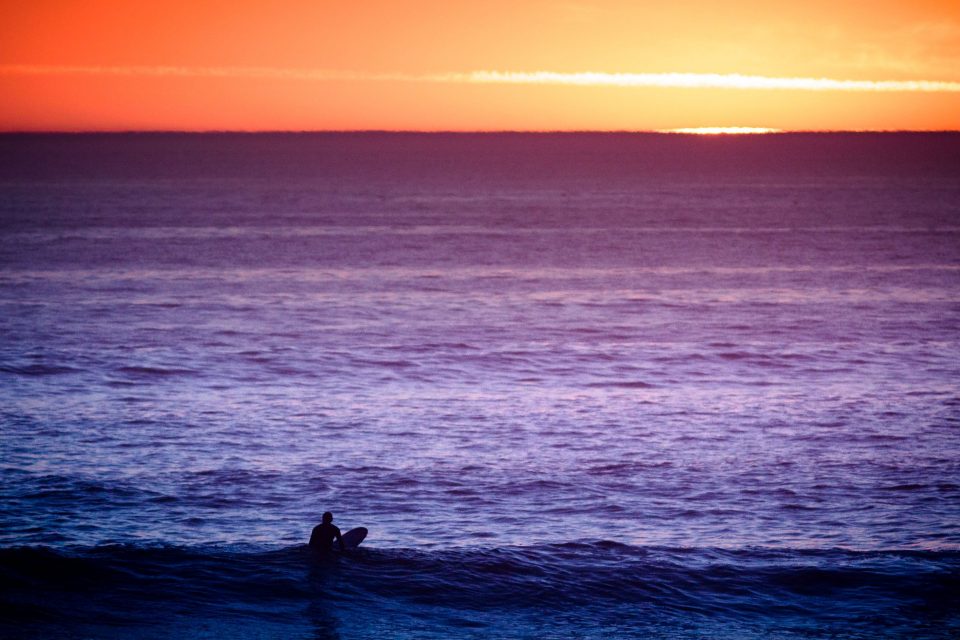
606, 385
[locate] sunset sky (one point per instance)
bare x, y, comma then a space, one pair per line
491, 65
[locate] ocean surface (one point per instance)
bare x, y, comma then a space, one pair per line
575, 385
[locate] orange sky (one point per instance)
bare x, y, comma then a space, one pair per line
292, 64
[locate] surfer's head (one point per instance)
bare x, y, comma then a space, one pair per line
327, 518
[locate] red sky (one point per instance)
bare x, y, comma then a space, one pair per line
254, 65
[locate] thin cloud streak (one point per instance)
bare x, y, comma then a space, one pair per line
709, 81
203, 72
580, 79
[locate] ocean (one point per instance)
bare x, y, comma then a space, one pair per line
575, 385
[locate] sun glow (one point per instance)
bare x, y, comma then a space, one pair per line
712, 131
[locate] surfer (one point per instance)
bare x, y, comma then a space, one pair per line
323, 534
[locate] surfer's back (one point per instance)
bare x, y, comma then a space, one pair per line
322, 536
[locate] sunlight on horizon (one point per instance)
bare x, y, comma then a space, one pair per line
712, 131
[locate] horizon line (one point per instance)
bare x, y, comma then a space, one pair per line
678, 131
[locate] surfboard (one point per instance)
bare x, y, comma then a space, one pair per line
353, 538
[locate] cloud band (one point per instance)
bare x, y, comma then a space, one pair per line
580, 79
710, 81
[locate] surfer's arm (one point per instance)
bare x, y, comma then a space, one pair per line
339, 538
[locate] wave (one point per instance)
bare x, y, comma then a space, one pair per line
865, 593
33, 370
142, 371
626, 384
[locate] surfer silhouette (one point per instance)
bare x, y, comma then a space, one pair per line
323, 534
